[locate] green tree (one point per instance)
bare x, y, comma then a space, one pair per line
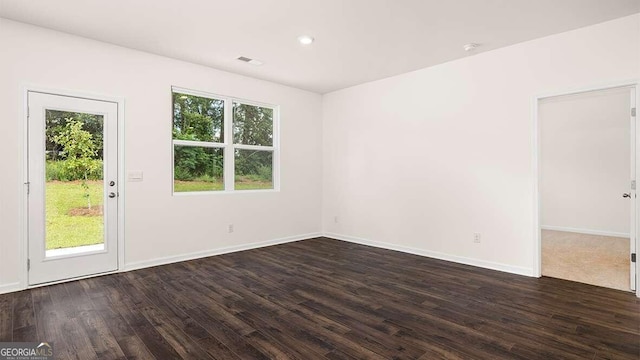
202, 119
80, 149
57, 120
197, 118
253, 125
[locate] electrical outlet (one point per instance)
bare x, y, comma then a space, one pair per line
230, 228
476, 238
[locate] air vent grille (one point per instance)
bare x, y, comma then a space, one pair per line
249, 60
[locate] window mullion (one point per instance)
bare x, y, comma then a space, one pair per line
194, 143
254, 147
229, 152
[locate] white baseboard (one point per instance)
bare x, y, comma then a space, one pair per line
201, 254
213, 252
436, 255
585, 231
10, 287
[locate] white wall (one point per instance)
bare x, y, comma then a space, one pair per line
158, 224
585, 162
423, 160
419, 161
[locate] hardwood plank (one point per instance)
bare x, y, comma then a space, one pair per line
130, 344
103, 342
6, 317
78, 344
324, 298
24, 321
48, 317
126, 302
234, 341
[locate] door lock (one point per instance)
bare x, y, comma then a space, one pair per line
112, 183
626, 195
112, 195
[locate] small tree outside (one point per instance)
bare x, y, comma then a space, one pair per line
80, 150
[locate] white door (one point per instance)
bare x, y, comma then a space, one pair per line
73, 190
632, 191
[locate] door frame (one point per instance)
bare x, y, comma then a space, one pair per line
24, 218
537, 235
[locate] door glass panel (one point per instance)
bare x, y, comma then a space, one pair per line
74, 189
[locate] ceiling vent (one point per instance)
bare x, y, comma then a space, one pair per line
249, 60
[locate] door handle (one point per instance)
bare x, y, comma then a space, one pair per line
112, 195
626, 195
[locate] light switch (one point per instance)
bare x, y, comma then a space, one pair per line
134, 176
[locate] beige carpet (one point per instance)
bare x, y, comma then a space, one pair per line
591, 259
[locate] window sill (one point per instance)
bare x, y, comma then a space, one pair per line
226, 192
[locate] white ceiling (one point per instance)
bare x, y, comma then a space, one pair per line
356, 40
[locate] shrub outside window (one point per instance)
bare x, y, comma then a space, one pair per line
222, 144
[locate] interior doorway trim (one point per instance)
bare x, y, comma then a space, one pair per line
24, 218
537, 237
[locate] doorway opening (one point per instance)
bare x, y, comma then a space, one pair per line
587, 186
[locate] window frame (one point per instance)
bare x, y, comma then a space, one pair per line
228, 146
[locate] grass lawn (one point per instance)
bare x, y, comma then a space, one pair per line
64, 197
241, 184
64, 230
186, 186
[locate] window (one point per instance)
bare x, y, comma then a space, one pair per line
222, 144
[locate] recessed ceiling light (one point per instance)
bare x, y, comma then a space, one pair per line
305, 39
470, 47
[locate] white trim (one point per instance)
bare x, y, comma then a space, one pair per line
635, 245
229, 192
213, 252
24, 223
195, 143
580, 90
208, 95
254, 147
24, 209
204, 94
122, 184
633, 205
72, 279
518, 270
252, 103
275, 173
585, 231
537, 237
73, 251
535, 164
10, 287
228, 155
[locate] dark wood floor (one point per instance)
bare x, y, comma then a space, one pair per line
324, 298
